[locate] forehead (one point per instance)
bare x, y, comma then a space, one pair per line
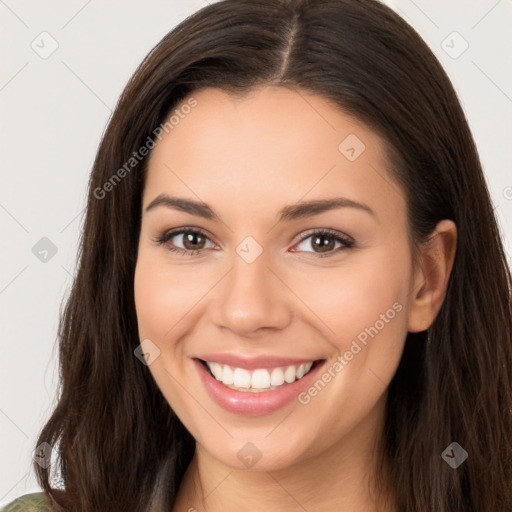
271, 143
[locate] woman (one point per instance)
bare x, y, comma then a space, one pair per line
292, 294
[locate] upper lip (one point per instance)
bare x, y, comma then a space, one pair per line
253, 363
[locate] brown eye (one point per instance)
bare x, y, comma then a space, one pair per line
323, 242
193, 241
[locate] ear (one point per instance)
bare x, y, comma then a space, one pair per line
431, 276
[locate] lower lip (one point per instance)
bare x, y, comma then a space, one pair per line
249, 403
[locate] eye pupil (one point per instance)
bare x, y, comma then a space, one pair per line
324, 247
189, 237
193, 241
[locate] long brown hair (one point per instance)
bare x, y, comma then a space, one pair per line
115, 434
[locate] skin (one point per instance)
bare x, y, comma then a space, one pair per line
248, 158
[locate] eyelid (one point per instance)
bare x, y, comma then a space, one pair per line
346, 241
327, 231
165, 236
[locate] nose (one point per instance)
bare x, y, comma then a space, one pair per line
252, 298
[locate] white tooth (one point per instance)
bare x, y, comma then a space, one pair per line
241, 378
216, 369
289, 374
277, 377
227, 375
260, 379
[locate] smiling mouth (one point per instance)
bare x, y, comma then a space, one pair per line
258, 380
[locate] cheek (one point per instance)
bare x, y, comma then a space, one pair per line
162, 297
366, 350
153, 302
362, 311
369, 289
161, 301
370, 307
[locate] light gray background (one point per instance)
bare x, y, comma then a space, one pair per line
54, 111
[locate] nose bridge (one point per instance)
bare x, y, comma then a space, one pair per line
251, 296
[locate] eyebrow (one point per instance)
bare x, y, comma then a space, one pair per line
286, 214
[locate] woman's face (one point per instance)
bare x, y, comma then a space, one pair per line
264, 291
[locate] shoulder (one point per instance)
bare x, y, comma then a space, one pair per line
35, 502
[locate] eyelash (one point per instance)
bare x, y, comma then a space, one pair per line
166, 236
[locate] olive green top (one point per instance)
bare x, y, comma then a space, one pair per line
35, 502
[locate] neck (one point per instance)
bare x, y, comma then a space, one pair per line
339, 478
